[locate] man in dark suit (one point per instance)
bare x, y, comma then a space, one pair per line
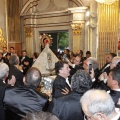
61, 83
68, 107
4, 69
24, 62
106, 67
24, 99
77, 64
14, 70
114, 84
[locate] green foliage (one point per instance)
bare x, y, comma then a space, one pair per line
62, 40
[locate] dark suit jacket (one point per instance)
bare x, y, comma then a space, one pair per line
2, 91
18, 75
58, 85
77, 67
103, 69
67, 107
23, 100
25, 59
115, 95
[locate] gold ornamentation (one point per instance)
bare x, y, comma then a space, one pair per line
76, 27
29, 31
3, 42
106, 1
45, 39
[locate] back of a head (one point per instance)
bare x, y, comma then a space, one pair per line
40, 116
14, 60
93, 61
33, 77
81, 82
4, 69
59, 65
97, 101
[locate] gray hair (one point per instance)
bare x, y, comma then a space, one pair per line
40, 116
4, 70
98, 101
14, 60
33, 77
93, 61
81, 82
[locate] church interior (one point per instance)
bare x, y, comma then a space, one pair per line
33, 28
91, 25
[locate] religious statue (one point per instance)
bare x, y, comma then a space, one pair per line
47, 59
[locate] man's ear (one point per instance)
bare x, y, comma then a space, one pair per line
101, 116
115, 82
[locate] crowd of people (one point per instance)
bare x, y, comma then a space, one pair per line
81, 91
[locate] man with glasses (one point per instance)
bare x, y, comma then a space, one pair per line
98, 105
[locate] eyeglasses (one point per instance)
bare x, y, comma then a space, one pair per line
87, 117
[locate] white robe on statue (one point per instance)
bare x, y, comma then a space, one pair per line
46, 61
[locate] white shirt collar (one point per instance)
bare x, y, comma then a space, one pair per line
116, 117
68, 82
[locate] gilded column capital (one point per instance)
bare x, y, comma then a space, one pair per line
28, 31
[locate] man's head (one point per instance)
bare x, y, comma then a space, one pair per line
24, 53
91, 60
97, 105
88, 54
114, 78
77, 60
33, 77
4, 49
114, 62
62, 68
12, 50
109, 57
79, 52
81, 82
4, 70
40, 116
14, 60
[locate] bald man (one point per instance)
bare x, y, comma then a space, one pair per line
98, 105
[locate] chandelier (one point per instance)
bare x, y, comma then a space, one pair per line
106, 1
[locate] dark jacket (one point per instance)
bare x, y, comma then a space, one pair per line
58, 85
77, 67
67, 107
22, 100
2, 91
105, 69
115, 96
26, 59
18, 75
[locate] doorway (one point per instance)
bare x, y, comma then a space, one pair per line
59, 40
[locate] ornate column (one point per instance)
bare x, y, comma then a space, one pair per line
29, 40
77, 26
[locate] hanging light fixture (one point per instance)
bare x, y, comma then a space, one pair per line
106, 1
